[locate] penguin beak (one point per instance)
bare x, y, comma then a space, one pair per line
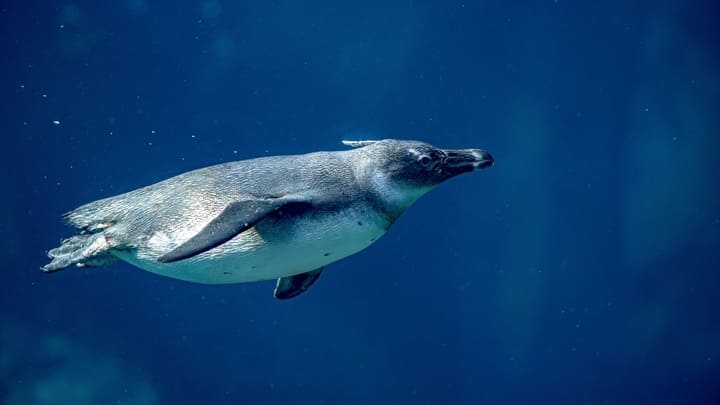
467, 160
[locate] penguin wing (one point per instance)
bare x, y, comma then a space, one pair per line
236, 218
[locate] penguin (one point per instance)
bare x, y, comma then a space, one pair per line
275, 217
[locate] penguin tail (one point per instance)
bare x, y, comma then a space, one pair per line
91, 217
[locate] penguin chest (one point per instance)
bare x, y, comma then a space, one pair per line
275, 247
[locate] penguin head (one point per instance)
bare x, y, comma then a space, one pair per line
405, 170
420, 164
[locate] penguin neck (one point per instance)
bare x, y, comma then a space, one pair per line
394, 196
389, 196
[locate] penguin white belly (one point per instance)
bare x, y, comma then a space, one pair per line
270, 250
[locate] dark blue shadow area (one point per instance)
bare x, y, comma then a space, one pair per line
582, 268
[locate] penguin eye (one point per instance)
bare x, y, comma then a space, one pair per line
424, 160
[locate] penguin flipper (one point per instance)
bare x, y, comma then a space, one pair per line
292, 286
236, 218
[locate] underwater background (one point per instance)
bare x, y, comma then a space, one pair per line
584, 268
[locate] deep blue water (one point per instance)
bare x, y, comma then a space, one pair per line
582, 268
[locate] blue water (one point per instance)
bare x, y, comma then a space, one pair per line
582, 268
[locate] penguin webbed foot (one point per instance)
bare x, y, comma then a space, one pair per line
292, 286
83, 250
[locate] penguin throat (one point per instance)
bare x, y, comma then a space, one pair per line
397, 196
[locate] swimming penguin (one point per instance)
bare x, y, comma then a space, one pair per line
277, 217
